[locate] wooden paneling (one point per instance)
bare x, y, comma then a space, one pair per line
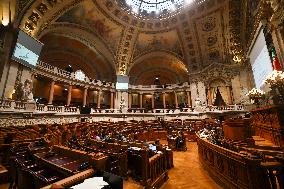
268, 122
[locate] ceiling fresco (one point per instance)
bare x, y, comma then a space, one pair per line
210, 37
88, 15
203, 33
167, 41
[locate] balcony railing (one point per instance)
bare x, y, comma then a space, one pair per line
18, 106
88, 81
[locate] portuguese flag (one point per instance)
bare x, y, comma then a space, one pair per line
275, 62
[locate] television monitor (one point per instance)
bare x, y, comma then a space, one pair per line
122, 82
27, 50
153, 147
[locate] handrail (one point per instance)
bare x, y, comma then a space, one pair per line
11, 105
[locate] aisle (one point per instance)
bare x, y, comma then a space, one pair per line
188, 173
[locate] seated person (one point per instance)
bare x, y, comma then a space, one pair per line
157, 142
145, 143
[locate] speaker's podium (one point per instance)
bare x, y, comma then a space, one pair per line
85, 110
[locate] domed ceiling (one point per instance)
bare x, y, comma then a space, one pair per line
195, 33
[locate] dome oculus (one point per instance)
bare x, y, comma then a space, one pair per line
155, 8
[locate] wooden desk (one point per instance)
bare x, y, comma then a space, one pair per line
60, 163
3, 174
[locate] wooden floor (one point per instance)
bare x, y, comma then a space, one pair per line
188, 173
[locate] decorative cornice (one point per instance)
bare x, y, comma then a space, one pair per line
215, 71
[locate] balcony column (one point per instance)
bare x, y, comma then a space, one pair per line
99, 99
153, 101
229, 91
129, 100
51, 92
188, 99
85, 96
164, 100
69, 95
209, 94
141, 100
111, 100
176, 99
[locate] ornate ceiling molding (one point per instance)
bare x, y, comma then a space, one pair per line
125, 50
215, 71
42, 13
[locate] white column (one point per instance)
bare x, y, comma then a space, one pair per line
153, 101
69, 95
141, 100
164, 100
51, 92
209, 97
99, 99
111, 100
176, 100
188, 99
230, 101
85, 96
129, 100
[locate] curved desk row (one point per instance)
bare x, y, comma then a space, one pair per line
235, 170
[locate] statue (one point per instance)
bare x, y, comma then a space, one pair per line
28, 95
199, 107
19, 92
122, 103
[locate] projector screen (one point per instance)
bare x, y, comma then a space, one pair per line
122, 82
27, 50
260, 60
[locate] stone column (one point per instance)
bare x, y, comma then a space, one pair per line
164, 100
153, 101
51, 92
209, 97
99, 99
85, 96
69, 95
230, 101
188, 98
141, 100
111, 100
176, 100
129, 100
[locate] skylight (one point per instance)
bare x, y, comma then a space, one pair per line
156, 8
